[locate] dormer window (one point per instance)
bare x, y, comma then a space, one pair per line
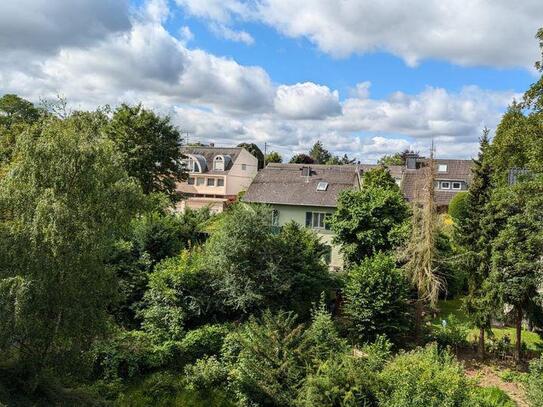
195, 163
442, 168
218, 163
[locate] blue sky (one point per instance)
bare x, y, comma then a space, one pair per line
366, 78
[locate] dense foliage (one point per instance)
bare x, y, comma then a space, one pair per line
372, 219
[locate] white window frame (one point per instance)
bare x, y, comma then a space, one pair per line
442, 168
442, 185
210, 182
243, 167
218, 161
191, 179
322, 186
200, 181
456, 183
220, 180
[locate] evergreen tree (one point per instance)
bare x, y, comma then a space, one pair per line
476, 244
274, 157
319, 154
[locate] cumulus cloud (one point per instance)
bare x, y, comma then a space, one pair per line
44, 26
220, 100
306, 101
485, 32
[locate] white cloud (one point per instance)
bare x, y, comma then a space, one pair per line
227, 33
306, 101
482, 32
223, 101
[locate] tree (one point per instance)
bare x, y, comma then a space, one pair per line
372, 219
397, 158
14, 109
376, 299
260, 269
274, 157
63, 203
319, 154
471, 236
150, 148
256, 151
270, 365
301, 159
420, 253
533, 98
517, 268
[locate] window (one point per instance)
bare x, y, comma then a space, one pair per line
243, 167
445, 185
456, 185
275, 217
211, 182
200, 181
322, 186
220, 182
190, 181
317, 220
442, 167
218, 163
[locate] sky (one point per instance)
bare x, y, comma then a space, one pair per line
364, 77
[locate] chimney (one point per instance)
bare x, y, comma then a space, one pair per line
411, 161
305, 171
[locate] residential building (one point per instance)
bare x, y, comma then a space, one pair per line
306, 194
452, 177
216, 176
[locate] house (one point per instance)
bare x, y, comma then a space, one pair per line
306, 194
216, 176
452, 177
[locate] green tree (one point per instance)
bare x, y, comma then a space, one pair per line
376, 299
14, 109
395, 159
150, 148
301, 159
475, 243
372, 219
274, 157
256, 151
533, 98
344, 160
319, 154
63, 203
458, 207
270, 365
517, 271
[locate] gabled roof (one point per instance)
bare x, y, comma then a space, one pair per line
456, 169
209, 153
283, 184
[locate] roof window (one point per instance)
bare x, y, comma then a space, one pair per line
322, 186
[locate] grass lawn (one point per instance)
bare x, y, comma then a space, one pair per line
447, 307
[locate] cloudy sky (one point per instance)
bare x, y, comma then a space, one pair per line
365, 77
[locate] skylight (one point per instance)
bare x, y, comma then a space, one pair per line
442, 168
322, 186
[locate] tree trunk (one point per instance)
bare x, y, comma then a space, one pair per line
482, 343
519, 334
418, 321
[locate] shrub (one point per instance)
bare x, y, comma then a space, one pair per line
489, 397
424, 377
451, 333
126, 355
376, 295
203, 341
457, 206
207, 373
534, 385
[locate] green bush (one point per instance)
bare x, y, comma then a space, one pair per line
203, 341
127, 354
534, 385
423, 378
206, 374
451, 333
376, 295
489, 397
457, 206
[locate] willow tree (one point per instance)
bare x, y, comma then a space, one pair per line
421, 253
63, 201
